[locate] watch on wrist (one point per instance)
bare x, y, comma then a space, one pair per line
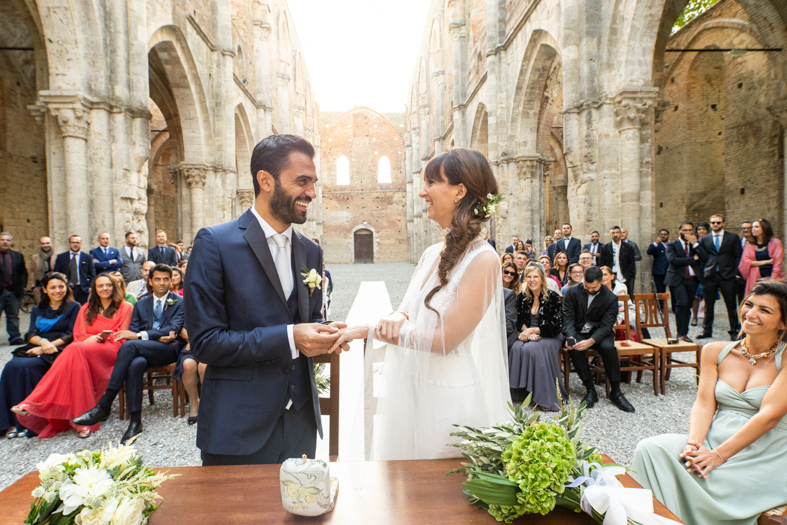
139, 335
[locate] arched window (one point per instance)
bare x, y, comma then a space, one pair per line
342, 171
384, 170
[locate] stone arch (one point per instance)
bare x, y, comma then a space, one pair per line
284, 38
479, 138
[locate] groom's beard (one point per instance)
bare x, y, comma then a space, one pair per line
283, 208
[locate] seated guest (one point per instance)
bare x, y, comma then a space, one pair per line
118, 277
763, 258
726, 470
589, 313
553, 283
182, 264
620, 290
585, 259
82, 370
575, 274
152, 342
547, 242
177, 281
520, 247
78, 267
593, 247
51, 329
520, 260
106, 258
511, 277
533, 360
560, 268
192, 373
506, 257
139, 288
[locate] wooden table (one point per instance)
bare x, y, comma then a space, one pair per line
395, 492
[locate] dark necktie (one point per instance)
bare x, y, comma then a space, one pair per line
157, 314
686, 272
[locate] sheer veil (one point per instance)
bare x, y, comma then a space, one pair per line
450, 366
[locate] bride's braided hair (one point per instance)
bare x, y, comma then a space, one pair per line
470, 168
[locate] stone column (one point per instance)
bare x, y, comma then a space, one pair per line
458, 90
439, 110
245, 200
262, 76
196, 176
74, 120
150, 218
426, 146
284, 97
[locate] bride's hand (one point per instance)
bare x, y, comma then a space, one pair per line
346, 336
387, 330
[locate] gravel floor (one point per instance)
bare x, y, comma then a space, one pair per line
169, 441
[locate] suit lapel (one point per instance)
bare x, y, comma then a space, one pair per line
299, 260
259, 245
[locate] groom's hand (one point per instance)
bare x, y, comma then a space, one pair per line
314, 338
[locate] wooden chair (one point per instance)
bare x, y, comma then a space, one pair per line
182, 397
329, 406
650, 319
151, 374
777, 516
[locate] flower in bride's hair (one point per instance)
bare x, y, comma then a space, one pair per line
489, 207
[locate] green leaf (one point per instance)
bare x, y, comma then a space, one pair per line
493, 493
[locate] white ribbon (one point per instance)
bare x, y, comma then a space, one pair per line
606, 495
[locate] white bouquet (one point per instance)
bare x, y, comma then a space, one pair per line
110, 486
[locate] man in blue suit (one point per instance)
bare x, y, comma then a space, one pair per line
78, 267
152, 340
256, 323
161, 253
658, 250
683, 276
571, 245
106, 258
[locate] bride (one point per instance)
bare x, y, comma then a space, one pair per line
441, 358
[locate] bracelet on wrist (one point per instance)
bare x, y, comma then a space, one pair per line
718, 454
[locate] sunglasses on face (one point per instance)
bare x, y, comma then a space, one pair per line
512, 274
715, 222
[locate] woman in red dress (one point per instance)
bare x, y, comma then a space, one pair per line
81, 374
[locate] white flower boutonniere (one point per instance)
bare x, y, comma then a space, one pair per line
312, 279
169, 303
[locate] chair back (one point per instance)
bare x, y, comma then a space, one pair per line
330, 406
624, 299
649, 313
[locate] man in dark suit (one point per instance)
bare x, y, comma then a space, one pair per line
619, 256
512, 248
13, 279
161, 253
181, 251
720, 252
78, 267
106, 258
253, 320
152, 340
571, 245
624, 237
658, 250
590, 310
594, 247
683, 276
133, 259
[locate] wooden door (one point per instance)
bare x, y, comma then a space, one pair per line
364, 246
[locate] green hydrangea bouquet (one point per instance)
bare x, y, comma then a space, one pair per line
110, 486
527, 466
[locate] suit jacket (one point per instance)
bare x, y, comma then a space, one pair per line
492, 243
589, 247
170, 258
132, 270
625, 259
678, 259
573, 251
659, 254
510, 248
637, 253
87, 272
237, 317
172, 317
509, 299
103, 264
18, 273
603, 310
726, 259
550, 315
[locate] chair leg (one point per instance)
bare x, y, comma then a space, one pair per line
184, 396
639, 376
662, 369
151, 398
698, 367
655, 372
175, 398
122, 401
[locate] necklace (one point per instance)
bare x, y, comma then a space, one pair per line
753, 358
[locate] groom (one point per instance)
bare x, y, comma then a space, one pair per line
254, 322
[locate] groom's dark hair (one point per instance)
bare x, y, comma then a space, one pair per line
272, 153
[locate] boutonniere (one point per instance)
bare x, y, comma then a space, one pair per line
312, 279
169, 303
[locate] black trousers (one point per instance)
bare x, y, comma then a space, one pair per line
295, 434
728, 289
609, 355
682, 300
630, 283
740, 290
134, 357
79, 296
660, 286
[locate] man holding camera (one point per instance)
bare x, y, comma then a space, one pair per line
590, 310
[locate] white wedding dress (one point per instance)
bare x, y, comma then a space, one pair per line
445, 371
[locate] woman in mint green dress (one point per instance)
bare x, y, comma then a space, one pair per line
733, 464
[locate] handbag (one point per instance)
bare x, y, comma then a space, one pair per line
22, 352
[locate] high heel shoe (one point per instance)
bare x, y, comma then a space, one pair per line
694, 322
193, 420
12, 433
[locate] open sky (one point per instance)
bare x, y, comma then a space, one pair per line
360, 52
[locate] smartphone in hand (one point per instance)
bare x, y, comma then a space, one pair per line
570, 341
105, 335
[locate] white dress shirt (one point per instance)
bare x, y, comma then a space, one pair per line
269, 232
156, 301
567, 240
616, 264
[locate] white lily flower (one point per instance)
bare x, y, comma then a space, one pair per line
88, 482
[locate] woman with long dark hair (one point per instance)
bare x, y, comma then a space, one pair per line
764, 258
80, 375
727, 469
511, 277
560, 268
51, 329
445, 348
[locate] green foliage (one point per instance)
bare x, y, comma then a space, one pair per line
692, 10
321, 378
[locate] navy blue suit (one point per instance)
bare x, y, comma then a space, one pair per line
103, 264
169, 257
660, 265
237, 317
682, 289
87, 272
573, 251
136, 356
